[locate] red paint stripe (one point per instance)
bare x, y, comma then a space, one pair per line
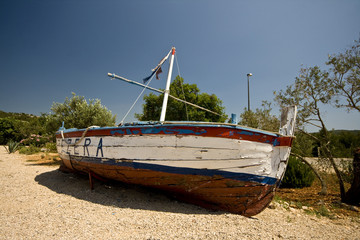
220, 132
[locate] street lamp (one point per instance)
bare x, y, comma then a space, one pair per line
248, 76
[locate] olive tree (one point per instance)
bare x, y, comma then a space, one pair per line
310, 91
344, 76
76, 112
261, 118
178, 111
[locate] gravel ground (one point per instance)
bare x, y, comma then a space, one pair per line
40, 202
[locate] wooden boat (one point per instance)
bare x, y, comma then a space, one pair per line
214, 165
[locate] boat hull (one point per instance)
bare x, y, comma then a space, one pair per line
219, 167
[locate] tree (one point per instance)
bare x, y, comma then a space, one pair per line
22, 125
261, 118
76, 112
7, 131
178, 111
310, 90
345, 77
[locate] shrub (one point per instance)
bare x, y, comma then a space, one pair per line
7, 131
51, 146
12, 146
76, 112
29, 150
297, 175
35, 140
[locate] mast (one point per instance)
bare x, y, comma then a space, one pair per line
167, 88
167, 91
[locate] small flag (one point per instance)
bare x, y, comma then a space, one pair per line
157, 69
158, 72
148, 78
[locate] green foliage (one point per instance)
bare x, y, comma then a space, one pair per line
324, 212
17, 126
345, 143
315, 88
35, 140
297, 175
35, 132
303, 145
151, 108
342, 143
51, 146
178, 111
76, 112
261, 118
19, 116
345, 77
7, 131
28, 150
12, 146
310, 90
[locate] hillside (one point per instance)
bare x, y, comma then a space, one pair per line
17, 116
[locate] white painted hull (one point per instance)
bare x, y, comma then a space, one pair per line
235, 156
223, 167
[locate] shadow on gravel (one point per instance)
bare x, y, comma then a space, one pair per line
116, 194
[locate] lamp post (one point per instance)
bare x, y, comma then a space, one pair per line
248, 76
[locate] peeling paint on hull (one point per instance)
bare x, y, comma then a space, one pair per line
226, 168
211, 192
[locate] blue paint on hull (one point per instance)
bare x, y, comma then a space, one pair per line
176, 128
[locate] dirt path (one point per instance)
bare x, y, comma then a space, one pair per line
39, 202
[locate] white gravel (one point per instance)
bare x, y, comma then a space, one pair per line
40, 202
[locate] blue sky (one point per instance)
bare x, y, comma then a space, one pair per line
49, 49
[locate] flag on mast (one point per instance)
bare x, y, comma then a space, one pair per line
158, 72
157, 69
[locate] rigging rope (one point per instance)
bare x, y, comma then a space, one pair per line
197, 106
114, 76
82, 136
122, 121
182, 89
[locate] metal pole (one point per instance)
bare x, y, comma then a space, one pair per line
167, 88
248, 85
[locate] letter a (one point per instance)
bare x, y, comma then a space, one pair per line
100, 147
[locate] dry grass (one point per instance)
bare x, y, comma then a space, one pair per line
44, 159
309, 197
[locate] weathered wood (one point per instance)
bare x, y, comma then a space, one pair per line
212, 192
221, 167
91, 181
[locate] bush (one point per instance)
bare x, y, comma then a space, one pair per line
7, 131
35, 140
51, 146
12, 146
76, 112
297, 175
29, 150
